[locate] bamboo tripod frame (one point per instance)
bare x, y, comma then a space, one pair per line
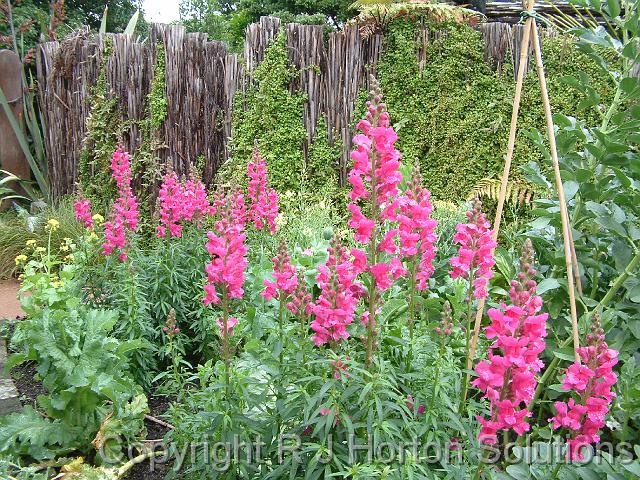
530, 34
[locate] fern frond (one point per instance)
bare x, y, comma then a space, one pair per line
521, 194
375, 16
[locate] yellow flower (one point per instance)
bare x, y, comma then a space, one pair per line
98, 219
322, 205
64, 248
31, 243
53, 224
20, 259
57, 284
41, 250
93, 236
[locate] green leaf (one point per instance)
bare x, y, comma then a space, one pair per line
565, 354
103, 22
13, 360
519, 471
133, 21
613, 6
546, 285
587, 474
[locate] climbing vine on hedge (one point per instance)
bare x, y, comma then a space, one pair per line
453, 116
104, 129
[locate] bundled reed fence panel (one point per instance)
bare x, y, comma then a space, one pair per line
202, 80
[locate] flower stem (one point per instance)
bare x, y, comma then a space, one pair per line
465, 386
225, 343
372, 260
436, 382
412, 293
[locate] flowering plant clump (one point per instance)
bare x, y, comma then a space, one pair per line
591, 379
263, 205
335, 308
475, 252
186, 201
374, 178
124, 215
507, 377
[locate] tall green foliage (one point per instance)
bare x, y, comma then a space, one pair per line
453, 116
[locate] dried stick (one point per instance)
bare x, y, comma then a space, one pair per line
524, 52
159, 422
564, 212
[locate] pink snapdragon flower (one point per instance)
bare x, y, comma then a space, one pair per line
475, 252
416, 229
507, 377
335, 307
263, 205
225, 272
374, 178
82, 208
284, 274
124, 216
231, 322
180, 202
592, 380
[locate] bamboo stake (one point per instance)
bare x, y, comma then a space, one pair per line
531, 30
524, 52
564, 212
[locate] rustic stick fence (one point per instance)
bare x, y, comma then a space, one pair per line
202, 79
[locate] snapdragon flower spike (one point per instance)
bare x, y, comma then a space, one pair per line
416, 229
507, 377
124, 216
263, 205
475, 252
284, 274
225, 272
335, 308
446, 324
82, 208
300, 303
180, 202
374, 178
171, 325
592, 380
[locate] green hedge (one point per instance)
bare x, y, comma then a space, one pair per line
453, 117
271, 116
